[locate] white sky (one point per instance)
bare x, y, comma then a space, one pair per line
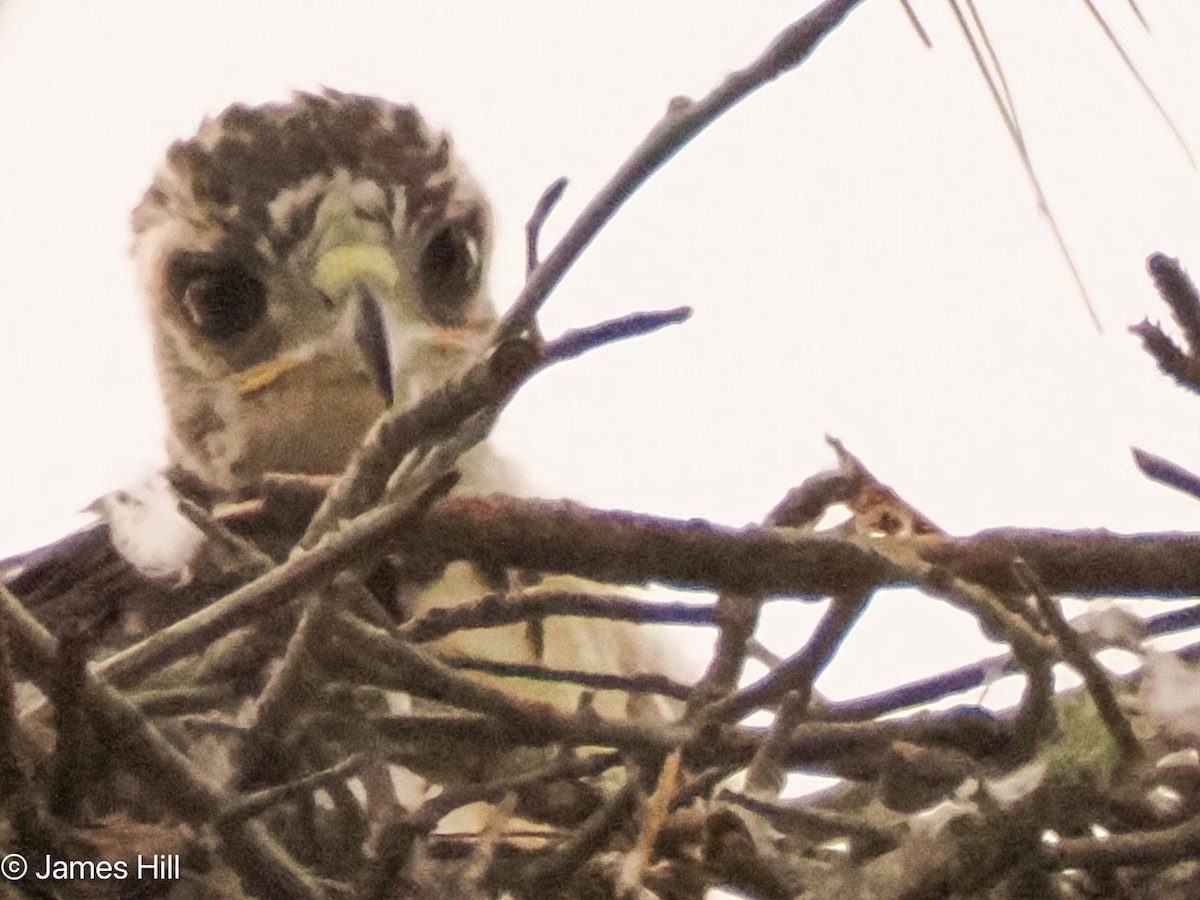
863, 253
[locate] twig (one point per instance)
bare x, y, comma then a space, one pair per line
1036, 715
397, 665
1137, 76
815, 823
1028, 644
488, 385
682, 122
603, 681
552, 867
576, 341
964, 678
358, 540
737, 614
30, 825
654, 814
170, 775
1166, 472
799, 672
533, 228
1031, 648
565, 768
191, 698
767, 772
1008, 114
919, 693
249, 560
1076, 654
74, 757
733, 859
494, 610
1141, 848
916, 23
399, 431
277, 700
249, 805
618, 547
1180, 294
1184, 368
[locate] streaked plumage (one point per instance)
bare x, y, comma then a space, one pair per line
252, 245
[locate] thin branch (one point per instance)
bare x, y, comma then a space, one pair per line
249, 561
683, 121
1007, 115
1141, 848
252, 804
799, 672
169, 775
397, 665
496, 610
551, 868
737, 614
1166, 472
919, 693
1137, 12
1137, 76
576, 341
767, 772
537, 220
1179, 292
278, 698
601, 681
1077, 655
816, 823
1171, 359
916, 23
358, 540
653, 816
487, 385
964, 678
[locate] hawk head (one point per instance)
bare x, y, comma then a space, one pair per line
305, 265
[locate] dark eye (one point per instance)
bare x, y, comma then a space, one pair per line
222, 298
449, 275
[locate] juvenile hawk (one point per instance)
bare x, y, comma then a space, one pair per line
304, 265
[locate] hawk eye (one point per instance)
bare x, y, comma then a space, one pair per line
221, 297
449, 275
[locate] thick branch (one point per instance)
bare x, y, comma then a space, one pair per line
615, 547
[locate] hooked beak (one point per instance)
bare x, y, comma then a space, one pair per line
403, 358
370, 337
364, 273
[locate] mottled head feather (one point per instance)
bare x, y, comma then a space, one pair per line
235, 171
235, 243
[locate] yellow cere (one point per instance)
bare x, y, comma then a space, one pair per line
347, 263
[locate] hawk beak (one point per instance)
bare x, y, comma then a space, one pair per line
370, 337
364, 273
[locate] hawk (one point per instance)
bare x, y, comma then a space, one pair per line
305, 265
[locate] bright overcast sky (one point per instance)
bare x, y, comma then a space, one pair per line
863, 253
